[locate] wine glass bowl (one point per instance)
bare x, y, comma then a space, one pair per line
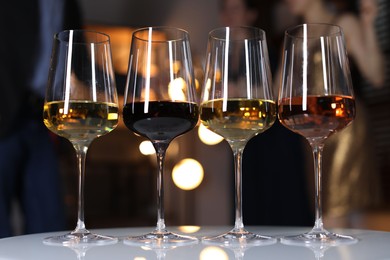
160, 104
316, 100
240, 120
237, 103
81, 104
172, 118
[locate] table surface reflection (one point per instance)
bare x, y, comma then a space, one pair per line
372, 245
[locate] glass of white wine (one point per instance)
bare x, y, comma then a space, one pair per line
81, 104
237, 103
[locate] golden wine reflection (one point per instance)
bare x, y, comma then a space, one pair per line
212, 253
189, 229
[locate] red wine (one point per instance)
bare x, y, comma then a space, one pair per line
162, 120
323, 116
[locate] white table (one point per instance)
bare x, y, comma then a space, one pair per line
373, 245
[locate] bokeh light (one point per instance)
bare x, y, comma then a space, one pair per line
176, 89
146, 148
207, 136
212, 253
187, 174
189, 229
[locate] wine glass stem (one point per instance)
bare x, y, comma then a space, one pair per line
81, 152
161, 148
81, 256
237, 152
238, 255
161, 255
317, 156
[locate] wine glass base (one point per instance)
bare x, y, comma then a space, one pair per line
75, 238
319, 237
160, 239
239, 237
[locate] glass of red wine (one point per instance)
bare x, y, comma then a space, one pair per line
160, 104
316, 100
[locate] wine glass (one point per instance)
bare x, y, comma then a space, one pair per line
81, 104
316, 100
237, 103
160, 104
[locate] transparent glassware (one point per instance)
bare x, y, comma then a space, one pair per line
161, 249
239, 249
316, 100
237, 103
81, 104
79, 249
319, 249
160, 104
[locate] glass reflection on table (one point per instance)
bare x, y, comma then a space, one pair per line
79, 248
320, 248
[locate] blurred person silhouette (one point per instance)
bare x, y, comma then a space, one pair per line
350, 167
29, 170
274, 174
359, 30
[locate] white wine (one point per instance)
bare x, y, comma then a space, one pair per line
80, 120
240, 120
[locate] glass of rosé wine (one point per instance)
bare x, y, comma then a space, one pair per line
316, 100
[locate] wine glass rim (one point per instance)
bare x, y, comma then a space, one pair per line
89, 41
184, 33
336, 32
261, 34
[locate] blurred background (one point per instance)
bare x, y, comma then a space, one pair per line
121, 167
